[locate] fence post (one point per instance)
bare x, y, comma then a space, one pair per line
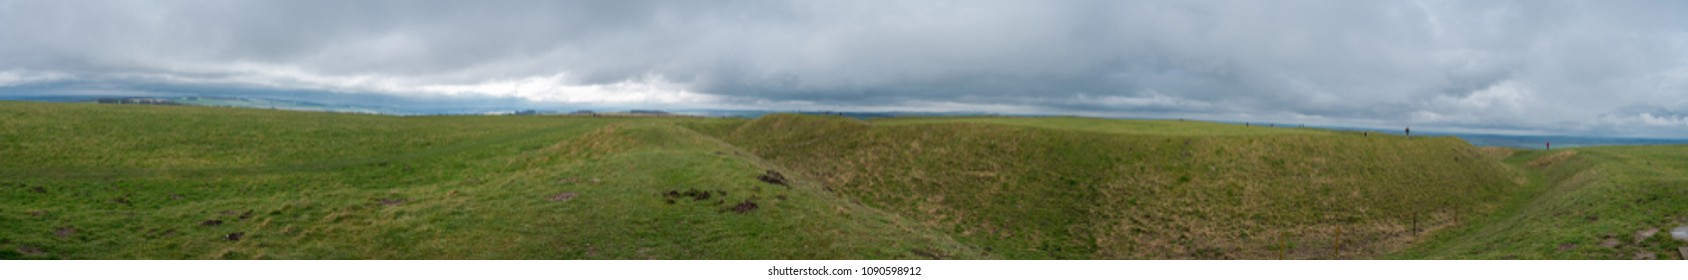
1415, 222
1337, 252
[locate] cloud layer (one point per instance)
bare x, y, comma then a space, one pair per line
1591, 67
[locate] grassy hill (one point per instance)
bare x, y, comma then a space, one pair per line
1131, 127
1585, 203
1068, 188
88, 181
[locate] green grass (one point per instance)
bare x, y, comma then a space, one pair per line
1115, 126
91, 181
1585, 203
1056, 189
79, 137
85, 181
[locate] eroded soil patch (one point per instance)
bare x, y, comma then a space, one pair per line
694, 194
773, 177
744, 207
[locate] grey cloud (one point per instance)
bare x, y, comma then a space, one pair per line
1566, 66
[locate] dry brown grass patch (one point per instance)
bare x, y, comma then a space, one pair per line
1552, 159
1497, 152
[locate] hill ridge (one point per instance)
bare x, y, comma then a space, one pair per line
921, 170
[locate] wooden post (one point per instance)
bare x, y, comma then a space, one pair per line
1282, 245
1337, 252
1415, 222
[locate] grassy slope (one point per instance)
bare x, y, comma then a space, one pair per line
85, 181
136, 182
1585, 203
1070, 188
79, 137
1133, 127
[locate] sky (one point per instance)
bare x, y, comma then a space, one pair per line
1608, 68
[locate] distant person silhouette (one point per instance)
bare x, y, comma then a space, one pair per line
1549, 145
1409, 132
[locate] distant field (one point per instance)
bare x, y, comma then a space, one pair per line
1134, 127
72, 139
92, 181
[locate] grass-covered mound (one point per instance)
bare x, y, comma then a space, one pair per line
1069, 188
1585, 203
85, 181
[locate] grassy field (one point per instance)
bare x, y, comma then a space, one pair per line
90, 181
1065, 188
85, 181
1584, 203
1129, 127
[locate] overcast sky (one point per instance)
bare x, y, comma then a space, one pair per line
1585, 67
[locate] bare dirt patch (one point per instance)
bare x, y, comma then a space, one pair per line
235, 236
1641, 235
564, 196
38, 189
695, 194
1610, 243
774, 177
211, 223
1567, 246
744, 207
